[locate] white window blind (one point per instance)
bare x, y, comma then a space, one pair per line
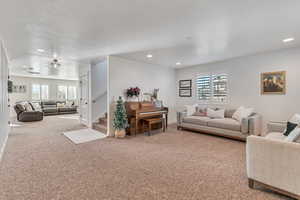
219, 85
36, 92
204, 88
212, 88
72, 93
39, 92
62, 92
44, 92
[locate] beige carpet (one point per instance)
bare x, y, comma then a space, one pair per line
41, 164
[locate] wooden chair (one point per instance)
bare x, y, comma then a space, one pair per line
152, 121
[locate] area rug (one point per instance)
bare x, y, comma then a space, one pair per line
76, 117
84, 135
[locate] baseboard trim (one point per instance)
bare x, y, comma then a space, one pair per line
252, 183
3, 147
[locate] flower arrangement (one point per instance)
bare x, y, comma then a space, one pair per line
131, 92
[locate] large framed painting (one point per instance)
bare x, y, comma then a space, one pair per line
273, 82
185, 92
185, 84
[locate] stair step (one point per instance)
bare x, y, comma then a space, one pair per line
102, 121
100, 127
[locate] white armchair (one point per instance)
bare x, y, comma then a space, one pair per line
273, 162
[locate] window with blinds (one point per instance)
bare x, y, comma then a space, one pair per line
204, 88
212, 88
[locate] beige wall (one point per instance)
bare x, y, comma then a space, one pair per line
4, 111
124, 73
52, 83
244, 82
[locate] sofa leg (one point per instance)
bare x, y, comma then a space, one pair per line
251, 183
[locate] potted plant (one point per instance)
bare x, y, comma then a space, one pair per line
120, 122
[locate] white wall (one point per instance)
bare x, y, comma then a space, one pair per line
99, 89
124, 73
244, 82
4, 111
52, 84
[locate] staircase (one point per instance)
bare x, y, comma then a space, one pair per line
101, 125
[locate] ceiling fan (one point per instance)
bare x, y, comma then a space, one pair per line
55, 63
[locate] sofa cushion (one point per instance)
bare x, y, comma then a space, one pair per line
217, 114
197, 120
50, 110
275, 136
229, 113
67, 109
226, 123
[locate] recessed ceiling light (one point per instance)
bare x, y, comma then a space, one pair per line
149, 56
178, 63
41, 50
288, 40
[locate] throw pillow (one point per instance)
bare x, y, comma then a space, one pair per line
36, 106
190, 109
215, 114
202, 112
295, 119
289, 128
28, 107
69, 103
242, 113
293, 136
61, 105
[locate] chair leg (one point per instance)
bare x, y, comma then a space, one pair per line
149, 129
251, 183
164, 125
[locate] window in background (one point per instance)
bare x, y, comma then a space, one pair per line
212, 88
44, 92
62, 92
35, 92
72, 93
204, 88
219, 88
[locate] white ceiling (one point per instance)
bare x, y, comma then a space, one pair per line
187, 31
40, 66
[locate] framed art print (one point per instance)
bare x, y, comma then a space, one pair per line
185, 92
185, 84
273, 82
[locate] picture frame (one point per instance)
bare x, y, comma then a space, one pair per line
273, 83
185, 84
185, 92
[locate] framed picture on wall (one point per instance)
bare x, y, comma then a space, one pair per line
273, 83
185, 92
185, 84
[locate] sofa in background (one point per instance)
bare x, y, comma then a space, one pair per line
26, 113
58, 107
273, 162
34, 110
226, 127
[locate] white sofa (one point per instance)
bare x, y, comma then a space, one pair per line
274, 163
226, 127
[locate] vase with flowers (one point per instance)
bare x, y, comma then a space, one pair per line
133, 93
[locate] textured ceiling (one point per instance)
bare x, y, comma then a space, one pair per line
190, 31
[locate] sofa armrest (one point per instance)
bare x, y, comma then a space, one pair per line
276, 127
245, 126
180, 116
255, 124
275, 163
29, 116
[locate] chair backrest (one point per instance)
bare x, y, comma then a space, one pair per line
19, 108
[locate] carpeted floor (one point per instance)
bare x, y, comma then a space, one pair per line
41, 164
